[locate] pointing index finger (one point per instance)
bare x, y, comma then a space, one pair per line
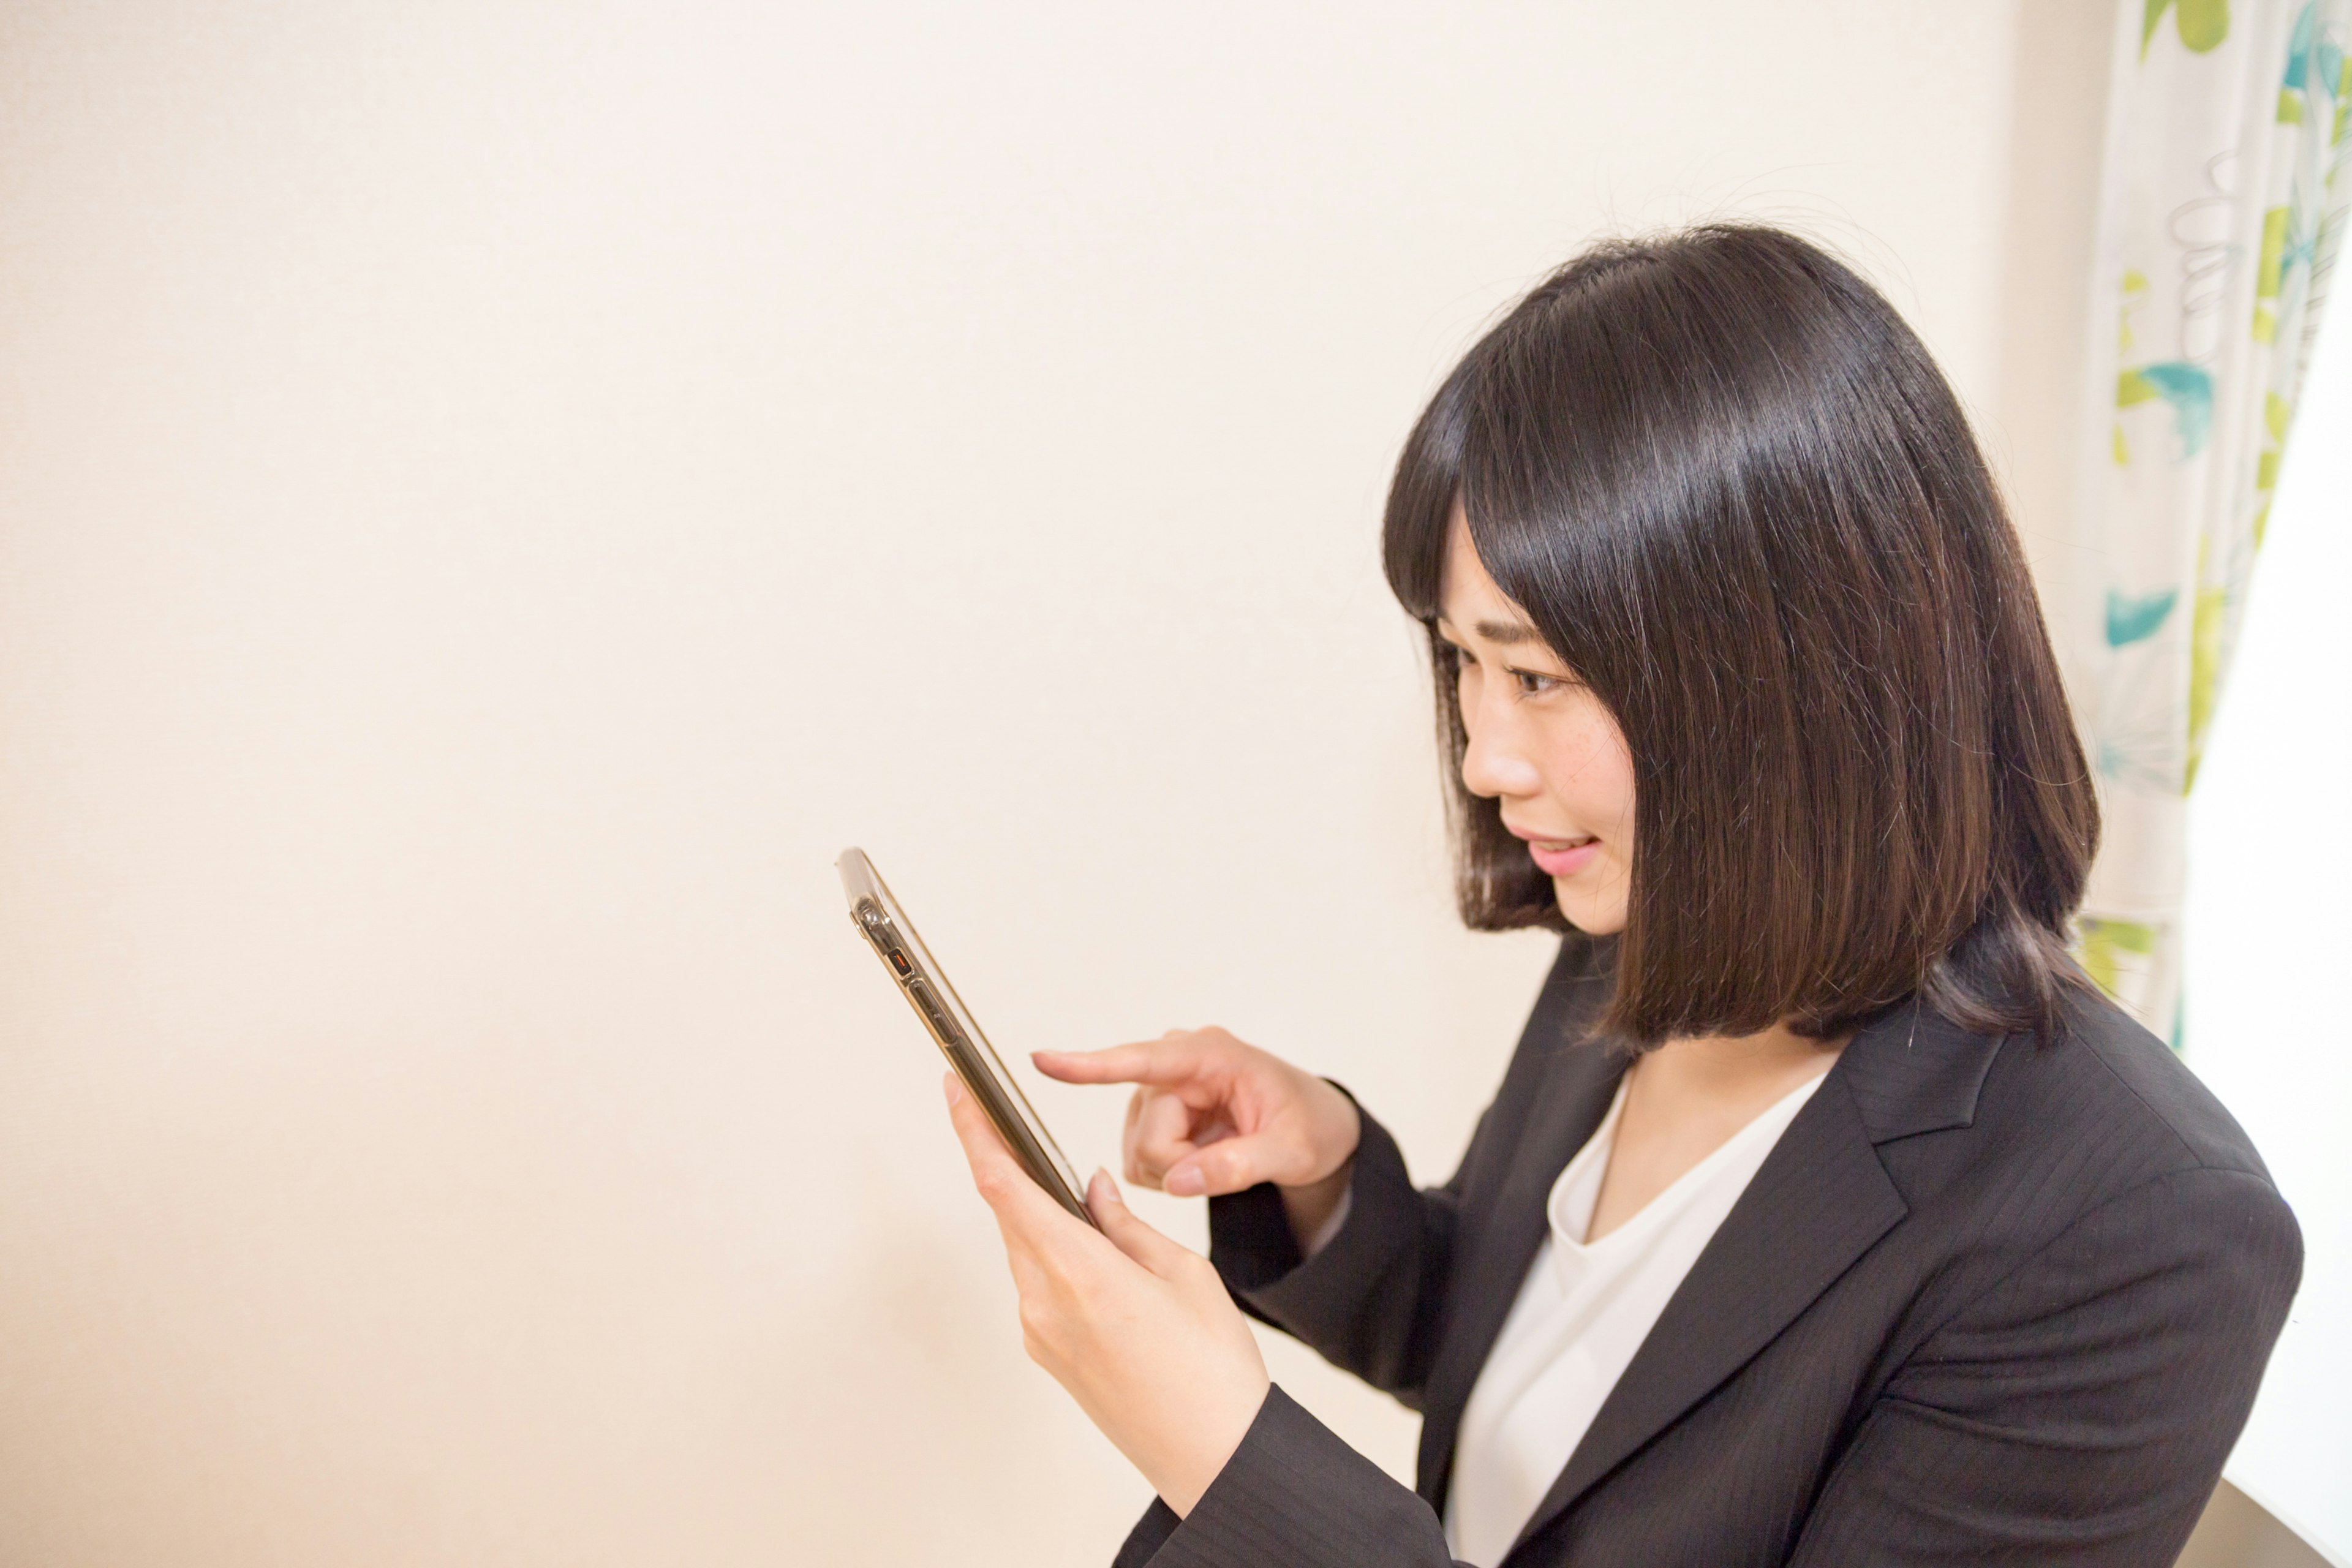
1163, 1062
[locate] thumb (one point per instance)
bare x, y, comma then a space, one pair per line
1227, 1165
1129, 1234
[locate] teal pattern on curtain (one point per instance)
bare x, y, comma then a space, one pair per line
2223, 202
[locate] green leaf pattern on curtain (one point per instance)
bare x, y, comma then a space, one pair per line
2203, 24
2225, 190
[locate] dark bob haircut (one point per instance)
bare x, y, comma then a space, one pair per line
1730, 488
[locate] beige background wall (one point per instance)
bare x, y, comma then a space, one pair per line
493, 496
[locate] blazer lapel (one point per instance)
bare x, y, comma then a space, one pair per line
1572, 1100
1819, 1201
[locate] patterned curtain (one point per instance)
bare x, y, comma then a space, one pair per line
2224, 197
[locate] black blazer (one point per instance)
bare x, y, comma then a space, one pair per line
1987, 1300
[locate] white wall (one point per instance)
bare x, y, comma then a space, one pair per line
2269, 938
493, 496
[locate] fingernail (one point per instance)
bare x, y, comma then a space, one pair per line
955, 1089
1185, 1182
1100, 1188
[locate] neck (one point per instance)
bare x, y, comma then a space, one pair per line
1739, 1067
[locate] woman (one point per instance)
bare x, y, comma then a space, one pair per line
1826, 1213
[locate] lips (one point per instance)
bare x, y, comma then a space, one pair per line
1560, 857
1549, 840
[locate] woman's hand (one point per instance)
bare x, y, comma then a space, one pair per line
1214, 1115
1138, 1329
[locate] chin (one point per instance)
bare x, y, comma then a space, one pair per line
1593, 916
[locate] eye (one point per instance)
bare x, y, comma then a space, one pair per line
1531, 684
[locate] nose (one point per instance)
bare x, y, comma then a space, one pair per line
1494, 763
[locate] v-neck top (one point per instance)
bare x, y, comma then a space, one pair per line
1581, 1312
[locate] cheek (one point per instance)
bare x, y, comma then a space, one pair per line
1619, 770
1590, 774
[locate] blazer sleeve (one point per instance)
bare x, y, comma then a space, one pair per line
1368, 1300
1293, 1494
2080, 1412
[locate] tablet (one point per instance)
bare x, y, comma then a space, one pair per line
878, 918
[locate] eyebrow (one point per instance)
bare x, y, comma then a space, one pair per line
1506, 632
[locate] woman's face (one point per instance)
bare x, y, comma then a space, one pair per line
1541, 743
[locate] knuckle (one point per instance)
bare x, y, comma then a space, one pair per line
992, 1184
1154, 1145
1070, 1286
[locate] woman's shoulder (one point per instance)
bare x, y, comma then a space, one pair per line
2107, 1075
2058, 1129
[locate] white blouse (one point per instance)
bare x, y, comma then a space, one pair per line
1580, 1314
